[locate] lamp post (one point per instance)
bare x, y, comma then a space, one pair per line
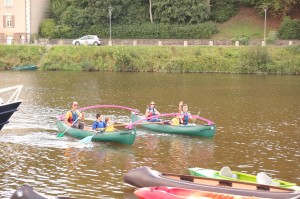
109, 11
265, 9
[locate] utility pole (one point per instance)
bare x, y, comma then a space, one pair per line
265, 26
109, 11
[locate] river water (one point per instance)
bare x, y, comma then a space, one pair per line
257, 118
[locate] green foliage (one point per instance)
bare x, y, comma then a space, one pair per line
289, 29
243, 59
180, 12
124, 60
255, 59
243, 40
20, 55
223, 10
47, 28
246, 3
160, 31
272, 37
74, 18
275, 7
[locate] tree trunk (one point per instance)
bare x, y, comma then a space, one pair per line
208, 6
150, 11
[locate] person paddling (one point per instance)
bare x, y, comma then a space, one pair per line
152, 111
73, 115
183, 109
98, 124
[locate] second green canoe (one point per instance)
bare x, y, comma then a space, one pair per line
195, 130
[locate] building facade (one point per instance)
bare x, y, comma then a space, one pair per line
20, 20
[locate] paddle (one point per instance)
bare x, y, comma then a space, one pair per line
195, 118
63, 133
89, 138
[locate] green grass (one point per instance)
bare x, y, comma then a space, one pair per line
246, 23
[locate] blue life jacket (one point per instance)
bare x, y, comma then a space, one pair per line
97, 124
185, 118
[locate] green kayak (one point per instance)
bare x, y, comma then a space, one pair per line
227, 174
123, 136
29, 67
207, 130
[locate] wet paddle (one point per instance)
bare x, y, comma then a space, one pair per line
63, 133
89, 138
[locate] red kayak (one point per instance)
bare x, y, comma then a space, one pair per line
180, 193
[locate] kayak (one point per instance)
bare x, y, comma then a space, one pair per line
208, 130
146, 177
181, 193
226, 173
123, 136
29, 67
26, 192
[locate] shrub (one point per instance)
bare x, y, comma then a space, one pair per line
223, 10
47, 28
272, 37
289, 29
164, 31
255, 59
244, 40
143, 31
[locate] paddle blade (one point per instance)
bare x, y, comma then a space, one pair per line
60, 135
86, 139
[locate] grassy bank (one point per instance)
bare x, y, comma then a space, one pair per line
20, 55
243, 59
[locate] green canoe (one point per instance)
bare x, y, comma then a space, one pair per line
124, 136
208, 130
29, 67
227, 174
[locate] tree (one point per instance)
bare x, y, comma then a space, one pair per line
276, 8
180, 12
47, 28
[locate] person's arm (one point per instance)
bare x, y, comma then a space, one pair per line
180, 106
157, 112
147, 112
81, 115
94, 125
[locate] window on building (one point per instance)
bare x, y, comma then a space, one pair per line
8, 3
8, 21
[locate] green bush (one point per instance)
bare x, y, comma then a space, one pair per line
147, 31
47, 28
272, 37
244, 40
289, 29
223, 10
255, 59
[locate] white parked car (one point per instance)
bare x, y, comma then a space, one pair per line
87, 40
